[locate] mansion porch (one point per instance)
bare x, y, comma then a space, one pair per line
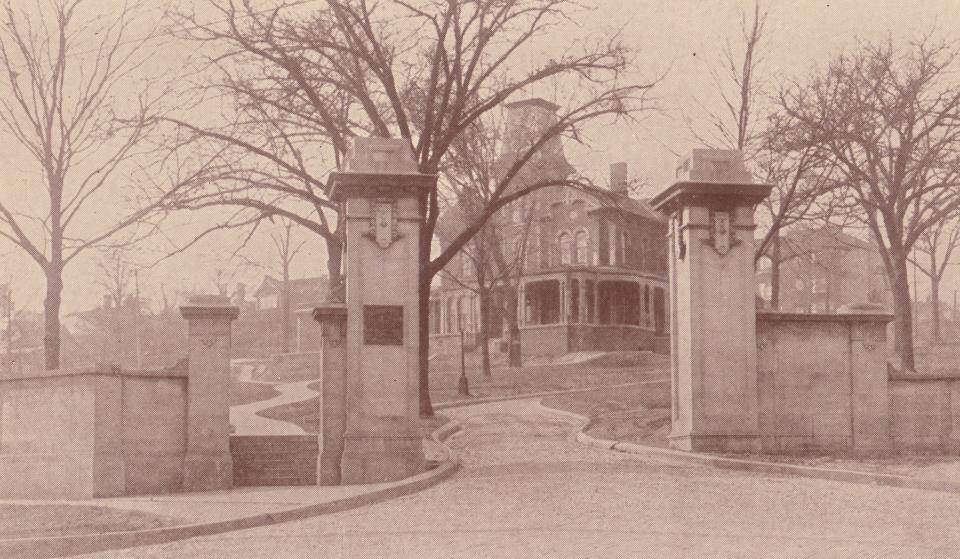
559, 312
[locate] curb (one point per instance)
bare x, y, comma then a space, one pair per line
61, 546
758, 466
494, 399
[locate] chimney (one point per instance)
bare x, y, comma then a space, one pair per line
618, 178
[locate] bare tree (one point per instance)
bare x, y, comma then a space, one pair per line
739, 84
937, 244
889, 118
425, 71
801, 177
496, 253
287, 251
60, 107
747, 121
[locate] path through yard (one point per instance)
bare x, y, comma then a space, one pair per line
245, 420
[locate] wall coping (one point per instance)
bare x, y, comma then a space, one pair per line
778, 316
173, 372
924, 376
192, 311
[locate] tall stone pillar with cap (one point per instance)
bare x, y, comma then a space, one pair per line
713, 326
381, 188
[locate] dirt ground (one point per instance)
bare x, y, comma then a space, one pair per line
26, 521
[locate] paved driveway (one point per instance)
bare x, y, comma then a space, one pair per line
528, 490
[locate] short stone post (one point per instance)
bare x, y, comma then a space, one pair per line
207, 464
333, 403
713, 323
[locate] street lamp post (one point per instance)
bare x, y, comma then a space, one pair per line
463, 385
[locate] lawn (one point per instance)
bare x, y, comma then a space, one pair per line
30, 521
249, 392
638, 414
506, 381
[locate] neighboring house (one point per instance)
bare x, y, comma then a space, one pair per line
305, 294
594, 269
823, 269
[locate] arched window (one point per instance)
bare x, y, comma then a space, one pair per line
564, 242
580, 248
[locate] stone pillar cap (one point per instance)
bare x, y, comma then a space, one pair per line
209, 306
329, 310
711, 176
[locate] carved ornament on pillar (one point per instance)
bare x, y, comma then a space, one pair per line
383, 223
679, 245
722, 237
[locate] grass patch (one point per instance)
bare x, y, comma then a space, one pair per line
639, 414
305, 414
248, 392
507, 381
31, 521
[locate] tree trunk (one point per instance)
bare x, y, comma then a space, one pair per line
285, 309
423, 330
775, 274
903, 312
334, 261
935, 308
51, 317
512, 312
484, 332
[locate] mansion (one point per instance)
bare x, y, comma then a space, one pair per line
590, 268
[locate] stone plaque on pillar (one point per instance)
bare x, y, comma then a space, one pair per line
381, 189
713, 322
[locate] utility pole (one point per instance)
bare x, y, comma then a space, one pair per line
463, 385
10, 328
136, 317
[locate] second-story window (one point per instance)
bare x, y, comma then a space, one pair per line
580, 248
564, 244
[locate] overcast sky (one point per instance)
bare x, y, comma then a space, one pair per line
679, 39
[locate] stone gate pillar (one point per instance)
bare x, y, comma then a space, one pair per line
381, 189
713, 332
207, 464
333, 331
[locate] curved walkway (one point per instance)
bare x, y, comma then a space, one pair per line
245, 419
528, 490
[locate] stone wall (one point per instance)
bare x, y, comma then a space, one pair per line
925, 413
99, 433
822, 383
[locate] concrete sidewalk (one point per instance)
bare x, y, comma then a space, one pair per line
215, 512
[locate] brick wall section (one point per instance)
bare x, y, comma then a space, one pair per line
274, 460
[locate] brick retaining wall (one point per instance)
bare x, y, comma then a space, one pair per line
273, 460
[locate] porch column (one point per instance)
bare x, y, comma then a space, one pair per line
521, 304
564, 303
